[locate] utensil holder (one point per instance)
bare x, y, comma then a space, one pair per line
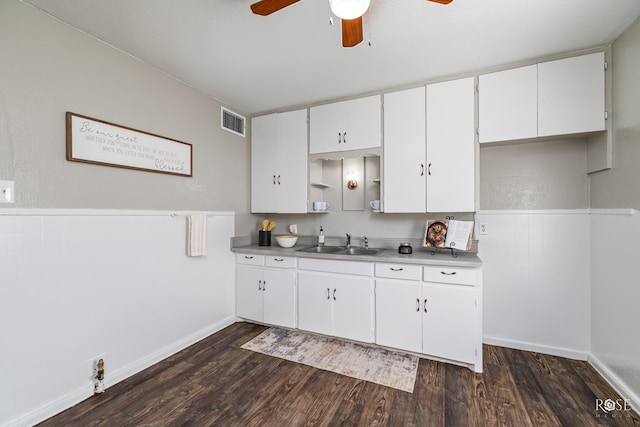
264, 238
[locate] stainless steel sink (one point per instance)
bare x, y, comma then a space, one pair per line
360, 251
322, 249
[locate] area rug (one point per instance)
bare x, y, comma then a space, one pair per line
373, 364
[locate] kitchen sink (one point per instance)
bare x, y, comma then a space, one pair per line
360, 251
323, 249
341, 250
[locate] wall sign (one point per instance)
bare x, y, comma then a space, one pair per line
102, 143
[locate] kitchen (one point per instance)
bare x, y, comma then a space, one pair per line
545, 216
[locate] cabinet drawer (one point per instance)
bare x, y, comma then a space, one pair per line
341, 267
455, 275
280, 261
399, 271
249, 259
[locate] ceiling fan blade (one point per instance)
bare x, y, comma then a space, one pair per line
441, 1
267, 7
351, 32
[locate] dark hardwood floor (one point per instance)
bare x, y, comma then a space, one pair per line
216, 383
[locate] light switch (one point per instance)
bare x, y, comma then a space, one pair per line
7, 192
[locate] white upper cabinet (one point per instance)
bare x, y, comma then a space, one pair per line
404, 164
571, 95
279, 163
451, 146
561, 97
508, 104
346, 125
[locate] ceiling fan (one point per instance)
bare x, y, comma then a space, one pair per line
349, 11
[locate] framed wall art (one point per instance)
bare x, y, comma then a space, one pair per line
99, 142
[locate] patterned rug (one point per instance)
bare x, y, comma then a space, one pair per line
373, 364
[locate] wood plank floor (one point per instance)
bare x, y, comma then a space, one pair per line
216, 383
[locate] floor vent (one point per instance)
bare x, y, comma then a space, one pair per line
232, 122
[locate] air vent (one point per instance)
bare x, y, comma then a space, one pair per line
232, 122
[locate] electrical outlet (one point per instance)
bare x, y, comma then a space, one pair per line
7, 192
92, 364
484, 228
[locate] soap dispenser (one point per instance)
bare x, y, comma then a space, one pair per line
321, 237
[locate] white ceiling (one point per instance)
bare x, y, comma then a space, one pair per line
293, 57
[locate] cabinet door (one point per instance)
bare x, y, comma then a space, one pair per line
352, 307
362, 123
404, 168
451, 146
449, 321
264, 137
571, 95
314, 302
508, 104
249, 292
399, 314
325, 128
279, 297
291, 152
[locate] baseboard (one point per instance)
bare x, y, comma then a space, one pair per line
616, 382
538, 348
76, 396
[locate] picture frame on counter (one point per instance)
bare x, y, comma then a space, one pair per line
99, 142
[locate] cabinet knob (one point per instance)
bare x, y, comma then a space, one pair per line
278, 179
429, 169
425, 305
421, 169
264, 285
344, 138
417, 304
274, 180
334, 294
339, 137
328, 294
259, 285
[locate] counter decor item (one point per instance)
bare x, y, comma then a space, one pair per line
264, 235
405, 248
287, 241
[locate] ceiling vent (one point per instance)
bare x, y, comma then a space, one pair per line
232, 122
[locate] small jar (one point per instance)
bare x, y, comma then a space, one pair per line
405, 248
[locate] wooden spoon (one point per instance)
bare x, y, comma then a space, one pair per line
265, 224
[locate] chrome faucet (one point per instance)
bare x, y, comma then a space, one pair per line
366, 242
348, 245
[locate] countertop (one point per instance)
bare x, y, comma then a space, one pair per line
420, 255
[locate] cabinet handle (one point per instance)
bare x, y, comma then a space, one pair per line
429, 169
328, 296
425, 305
278, 259
344, 138
248, 257
448, 274
278, 179
396, 269
264, 285
339, 137
421, 169
334, 294
417, 304
274, 180
259, 285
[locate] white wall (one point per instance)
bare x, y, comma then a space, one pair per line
615, 295
536, 280
76, 284
48, 68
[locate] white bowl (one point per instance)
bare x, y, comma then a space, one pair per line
287, 241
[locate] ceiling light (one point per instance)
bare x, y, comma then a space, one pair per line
349, 9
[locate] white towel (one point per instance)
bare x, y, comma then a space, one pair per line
197, 239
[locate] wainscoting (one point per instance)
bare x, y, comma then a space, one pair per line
77, 284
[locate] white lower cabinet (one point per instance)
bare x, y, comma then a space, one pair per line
440, 319
265, 294
335, 304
